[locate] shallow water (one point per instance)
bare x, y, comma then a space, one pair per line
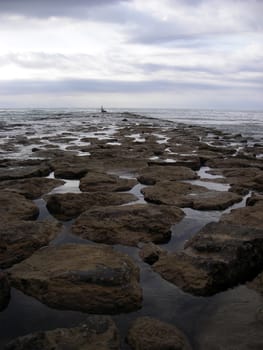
218, 322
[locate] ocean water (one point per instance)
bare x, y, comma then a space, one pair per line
248, 123
222, 319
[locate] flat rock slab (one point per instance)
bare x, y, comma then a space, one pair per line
151, 175
186, 195
4, 291
14, 206
215, 259
66, 206
96, 333
94, 279
250, 216
147, 333
25, 172
31, 188
127, 225
19, 239
99, 182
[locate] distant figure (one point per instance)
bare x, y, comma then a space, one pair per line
102, 110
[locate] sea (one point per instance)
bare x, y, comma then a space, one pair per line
247, 123
222, 319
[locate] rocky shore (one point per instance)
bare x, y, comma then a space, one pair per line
90, 210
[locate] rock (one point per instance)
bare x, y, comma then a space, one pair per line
151, 252
25, 172
254, 199
232, 320
170, 193
14, 206
71, 169
100, 182
243, 178
31, 188
66, 206
19, 239
215, 259
186, 195
153, 174
127, 225
235, 162
96, 333
189, 162
4, 291
215, 200
251, 216
257, 283
147, 333
93, 279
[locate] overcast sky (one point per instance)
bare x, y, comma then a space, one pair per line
132, 53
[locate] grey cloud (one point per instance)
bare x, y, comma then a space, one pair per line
47, 8
103, 86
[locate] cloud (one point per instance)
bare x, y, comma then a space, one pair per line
48, 8
18, 87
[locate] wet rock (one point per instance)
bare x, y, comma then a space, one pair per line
19, 239
71, 167
99, 182
254, 199
170, 193
127, 225
31, 188
235, 162
215, 259
186, 195
257, 284
96, 333
215, 200
232, 320
25, 172
66, 206
153, 174
243, 178
148, 333
70, 172
151, 252
94, 279
14, 206
4, 291
251, 216
189, 162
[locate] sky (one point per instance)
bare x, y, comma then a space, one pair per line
131, 53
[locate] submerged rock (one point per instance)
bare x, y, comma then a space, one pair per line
220, 256
14, 206
127, 225
31, 188
66, 206
19, 239
4, 291
99, 182
95, 333
94, 279
148, 333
